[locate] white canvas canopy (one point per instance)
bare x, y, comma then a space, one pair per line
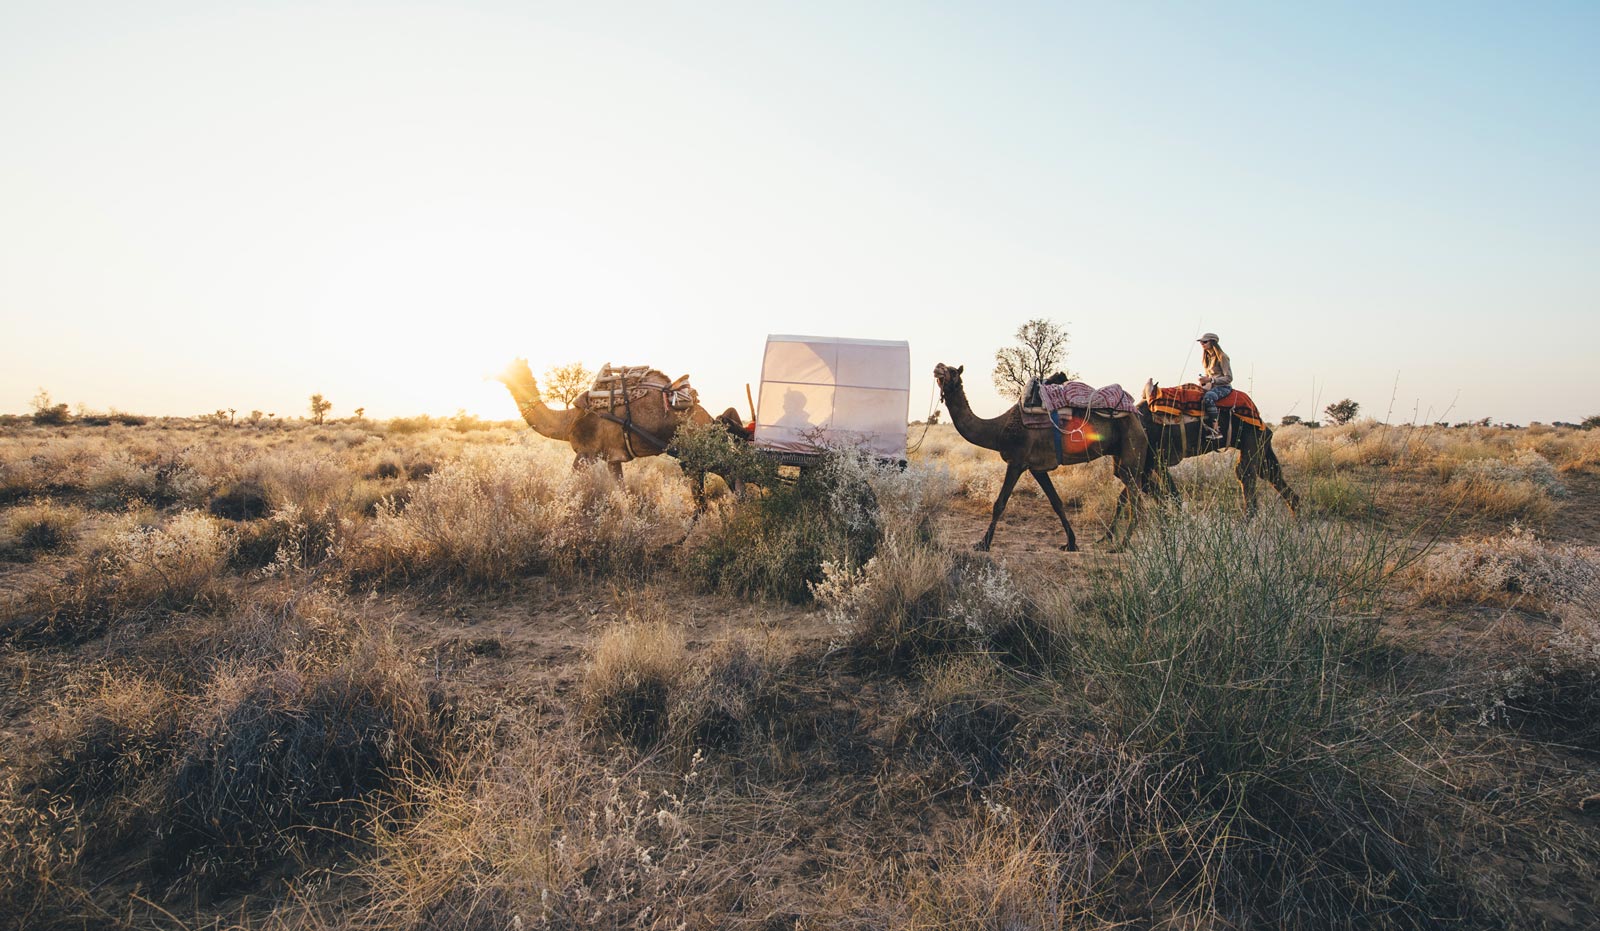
825, 391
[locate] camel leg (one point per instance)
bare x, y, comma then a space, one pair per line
1245, 469
1272, 471
1129, 474
1043, 478
1150, 485
616, 471
1122, 502
1013, 472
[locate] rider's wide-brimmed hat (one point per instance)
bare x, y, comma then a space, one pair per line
1207, 338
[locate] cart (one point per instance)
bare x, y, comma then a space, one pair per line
821, 391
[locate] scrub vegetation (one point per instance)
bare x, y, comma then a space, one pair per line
422, 674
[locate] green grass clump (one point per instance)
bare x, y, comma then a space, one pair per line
1226, 657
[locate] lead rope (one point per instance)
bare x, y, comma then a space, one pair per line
932, 405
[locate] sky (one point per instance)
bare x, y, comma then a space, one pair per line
212, 205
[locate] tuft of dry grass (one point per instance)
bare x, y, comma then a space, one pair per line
39, 527
276, 759
728, 695
628, 686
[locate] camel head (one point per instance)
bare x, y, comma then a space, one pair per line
949, 379
1150, 389
517, 374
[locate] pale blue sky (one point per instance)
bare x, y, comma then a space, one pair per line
212, 205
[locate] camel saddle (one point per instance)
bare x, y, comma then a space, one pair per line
623, 386
1185, 403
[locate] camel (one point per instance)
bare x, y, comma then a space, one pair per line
595, 438
1172, 443
1034, 451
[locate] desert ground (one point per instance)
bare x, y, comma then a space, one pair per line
423, 674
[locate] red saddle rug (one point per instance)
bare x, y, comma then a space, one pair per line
1186, 401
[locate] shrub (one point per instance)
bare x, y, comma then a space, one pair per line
711, 448
105, 731
1515, 562
776, 543
967, 709
1550, 685
1337, 495
540, 834
53, 416
404, 425
1525, 466
243, 501
494, 516
279, 760
914, 600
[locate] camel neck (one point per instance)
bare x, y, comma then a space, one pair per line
557, 425
974, 429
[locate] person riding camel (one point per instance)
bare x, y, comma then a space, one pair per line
1217, 379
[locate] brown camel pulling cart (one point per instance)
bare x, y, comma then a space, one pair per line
628, 414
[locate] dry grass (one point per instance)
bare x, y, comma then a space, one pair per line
219, 680
1512, 564
630, 680
39, 527
137, 570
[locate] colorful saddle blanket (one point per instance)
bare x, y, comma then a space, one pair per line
1110, 401
1187, 401
622, 386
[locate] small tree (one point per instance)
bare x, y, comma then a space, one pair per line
566, 382
319, 408
1290, 420
47, 414
1040, 350
255, 416
361, 413
1590, 422
1342, 412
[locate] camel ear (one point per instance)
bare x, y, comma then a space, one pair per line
960, 369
